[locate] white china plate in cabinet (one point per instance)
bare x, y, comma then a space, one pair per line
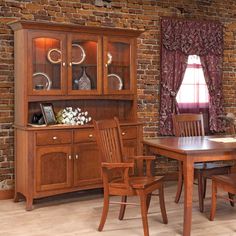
114, 82
41, 81
78, 54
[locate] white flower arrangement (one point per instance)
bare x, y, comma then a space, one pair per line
69, 116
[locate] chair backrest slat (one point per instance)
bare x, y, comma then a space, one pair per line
186, 125
109, 140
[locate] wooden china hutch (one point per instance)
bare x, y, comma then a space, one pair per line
70, 66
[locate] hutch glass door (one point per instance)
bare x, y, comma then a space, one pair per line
118, 66
84, 64
48, 64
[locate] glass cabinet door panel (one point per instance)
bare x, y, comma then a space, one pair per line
118, 66
84, 77
47, 58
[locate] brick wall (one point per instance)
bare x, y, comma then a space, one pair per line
6, 104
135, 14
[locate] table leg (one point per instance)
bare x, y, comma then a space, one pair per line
188, 169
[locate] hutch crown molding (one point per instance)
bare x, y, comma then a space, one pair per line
70, 66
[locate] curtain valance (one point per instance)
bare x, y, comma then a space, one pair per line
192, 37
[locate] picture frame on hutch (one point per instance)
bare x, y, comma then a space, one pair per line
48, 113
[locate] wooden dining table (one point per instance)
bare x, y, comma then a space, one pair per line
190, 150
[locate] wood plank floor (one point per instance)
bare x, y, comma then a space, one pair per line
79, 215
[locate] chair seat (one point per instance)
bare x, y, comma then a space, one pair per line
226, 183
210, 169
229, 179
138, 182
210, 165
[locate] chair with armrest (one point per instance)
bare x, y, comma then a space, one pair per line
229, 121
118, 175
186, 125
226, 183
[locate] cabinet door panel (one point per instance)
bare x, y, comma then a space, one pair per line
87, 164
119, 66
46, 63
53, 166
84, 58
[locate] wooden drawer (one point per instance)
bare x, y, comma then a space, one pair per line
53, 137
84, 136
129, 132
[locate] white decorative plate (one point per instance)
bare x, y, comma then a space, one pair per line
41, 81
78, 54
114, 82
54, 55
109, 60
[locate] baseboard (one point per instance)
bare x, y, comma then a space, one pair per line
6, 194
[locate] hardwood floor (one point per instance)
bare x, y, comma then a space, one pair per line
78, 214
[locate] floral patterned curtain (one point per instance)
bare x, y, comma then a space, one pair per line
212, 68
173, 71
181, 38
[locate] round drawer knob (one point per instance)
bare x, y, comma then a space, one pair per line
54, 137
123, 133
90, 135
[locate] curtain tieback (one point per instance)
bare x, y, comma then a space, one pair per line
172, 93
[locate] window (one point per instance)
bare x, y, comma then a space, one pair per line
193, 92
193, 96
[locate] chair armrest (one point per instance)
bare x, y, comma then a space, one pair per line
124, 165
151, 158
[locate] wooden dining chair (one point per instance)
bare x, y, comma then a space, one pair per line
226, 183
186, 125
118, 174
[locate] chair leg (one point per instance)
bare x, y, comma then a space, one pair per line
122, 207
104, 211
200, 192
149, 196
213, 200
180, 182
162, 205
143, 205
204, 187
231, 196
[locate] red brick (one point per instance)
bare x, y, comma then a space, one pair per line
134, 14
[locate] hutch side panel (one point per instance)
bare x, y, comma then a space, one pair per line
20, 71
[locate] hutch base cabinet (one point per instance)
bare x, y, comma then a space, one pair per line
69, 66
59, 160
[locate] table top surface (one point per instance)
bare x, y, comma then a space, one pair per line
193, 144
